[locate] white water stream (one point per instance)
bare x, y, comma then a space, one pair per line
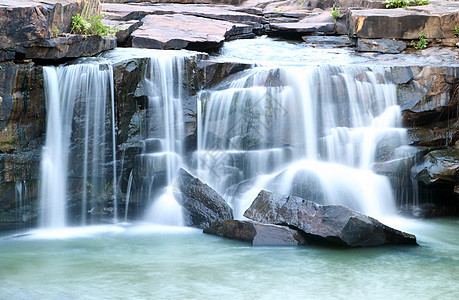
79, 100
311, 131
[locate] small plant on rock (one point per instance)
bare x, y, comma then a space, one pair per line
422, 42
56, 32
404, 3
336, 13
456, 31
420, 2
89, 24
396, 3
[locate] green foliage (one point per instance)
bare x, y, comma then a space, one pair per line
79, 24
336, 13
396, 3
404, 3
420, 2
456, 31
422, 42
56, 32
90, 24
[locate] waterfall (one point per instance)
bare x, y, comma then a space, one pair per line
312, 131
165, 128
78, 164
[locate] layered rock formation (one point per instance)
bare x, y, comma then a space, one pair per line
427, 82
32, 29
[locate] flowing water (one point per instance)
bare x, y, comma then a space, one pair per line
309, 131
79, 108
179, 263
293, 124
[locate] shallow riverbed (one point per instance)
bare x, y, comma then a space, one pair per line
151, 262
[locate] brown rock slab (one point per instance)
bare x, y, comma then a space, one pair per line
186, 32
72, 46
435, 21
256, 233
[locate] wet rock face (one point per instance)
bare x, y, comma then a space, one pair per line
256, 233
201, 204
333, 223
22, 127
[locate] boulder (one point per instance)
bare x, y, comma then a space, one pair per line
256, 233
380, 46
201, 204
333, 223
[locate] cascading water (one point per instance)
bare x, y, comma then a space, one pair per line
165, 84
80, 145
165, 128
313, 132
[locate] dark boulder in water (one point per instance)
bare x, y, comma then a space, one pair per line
201, 204
256, 233
334, 223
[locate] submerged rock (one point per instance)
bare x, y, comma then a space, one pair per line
256, 233
201, 204
334, 223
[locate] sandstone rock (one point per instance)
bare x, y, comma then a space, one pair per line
72, 46
334, 223
381, 46
256, 233
433, 20
185, 32
201, 204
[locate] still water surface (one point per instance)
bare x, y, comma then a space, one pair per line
150, 262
